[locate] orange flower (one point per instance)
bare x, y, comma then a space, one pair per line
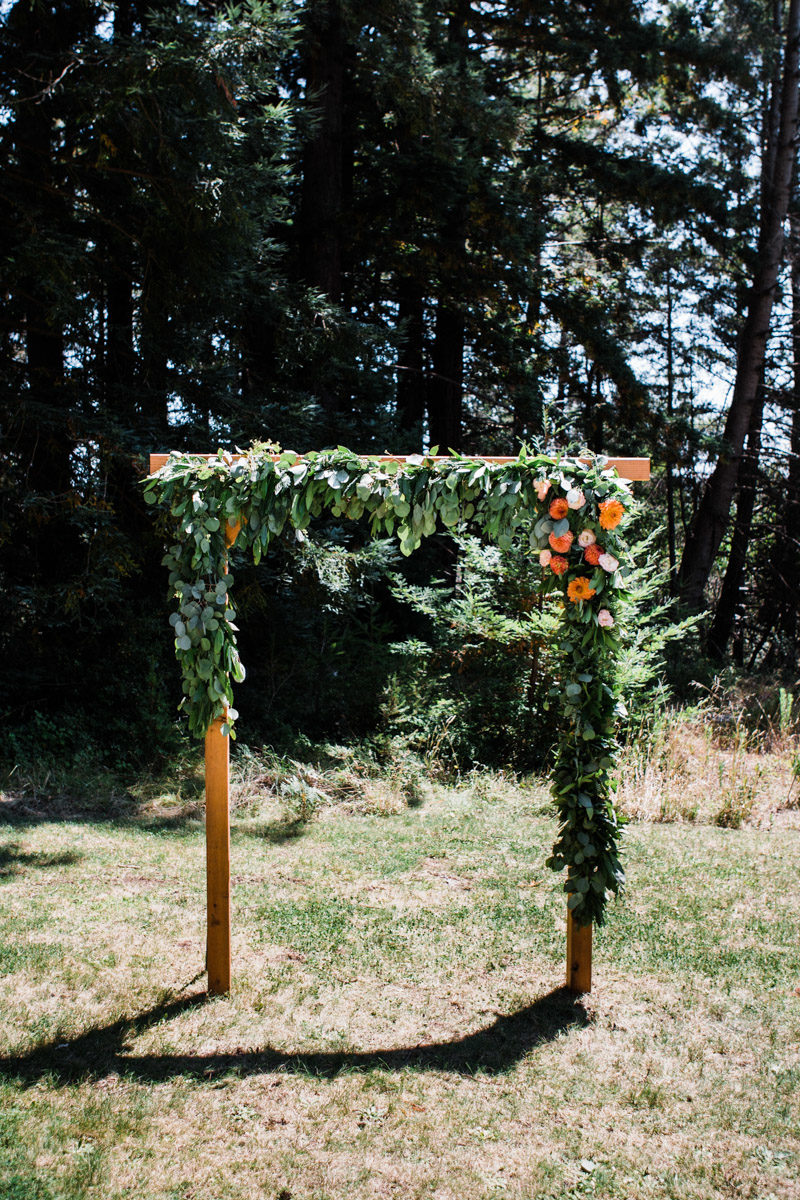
580, 589
611, 513
558, 565
563, 543
592, 554
558, 508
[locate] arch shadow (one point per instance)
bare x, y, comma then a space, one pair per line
14, 860
493, 1049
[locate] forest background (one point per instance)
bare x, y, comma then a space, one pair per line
393, 226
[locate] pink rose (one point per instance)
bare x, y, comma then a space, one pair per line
586, 537
575, 498
542, 487
608, 562
604, 618
544, 557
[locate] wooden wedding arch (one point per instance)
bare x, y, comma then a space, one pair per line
549, 531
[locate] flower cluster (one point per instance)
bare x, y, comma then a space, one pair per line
575, 534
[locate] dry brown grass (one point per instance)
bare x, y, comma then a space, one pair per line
715, 773
392, 1030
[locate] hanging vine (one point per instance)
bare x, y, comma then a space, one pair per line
569, 512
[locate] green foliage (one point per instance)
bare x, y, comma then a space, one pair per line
498, 245
470, 688
652, 632
566, 509
315, 634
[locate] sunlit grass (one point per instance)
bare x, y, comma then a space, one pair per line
395, 1026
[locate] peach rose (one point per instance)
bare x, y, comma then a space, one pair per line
605, 619
563, 543
608, 563
558, 565
586, 538
575, 498
545, 556
542, 488
558, 508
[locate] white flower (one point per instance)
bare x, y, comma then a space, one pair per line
608, 563
544, 557
586, 538
604, 618
575, 498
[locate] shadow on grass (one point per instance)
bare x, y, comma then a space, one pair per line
14, 860
282, 829
21, 812
187, 820
99, 1052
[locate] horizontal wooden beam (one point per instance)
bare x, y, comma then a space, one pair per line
633, 469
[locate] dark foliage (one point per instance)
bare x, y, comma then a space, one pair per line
385, 225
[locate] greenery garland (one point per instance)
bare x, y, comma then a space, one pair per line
569, 512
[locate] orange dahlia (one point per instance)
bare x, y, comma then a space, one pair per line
563, 543
558, 508
558, 565
592, 554
580, 589
611, 513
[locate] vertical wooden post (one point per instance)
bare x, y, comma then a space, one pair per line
218, 860
218, 846
579, 956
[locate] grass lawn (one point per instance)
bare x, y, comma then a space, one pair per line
396, 1026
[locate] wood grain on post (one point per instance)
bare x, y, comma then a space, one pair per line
629, 468
579, 956
218, 846
218, 860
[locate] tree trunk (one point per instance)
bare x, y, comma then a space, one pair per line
47, 447
788, 572
445, 385
410, 360
670, 451
722, 626
713, 512
321, 200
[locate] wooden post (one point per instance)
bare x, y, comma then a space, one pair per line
218, 860
218, 846
579, 956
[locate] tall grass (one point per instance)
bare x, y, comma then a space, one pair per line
729, 760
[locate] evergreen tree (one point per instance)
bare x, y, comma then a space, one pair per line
129, 213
